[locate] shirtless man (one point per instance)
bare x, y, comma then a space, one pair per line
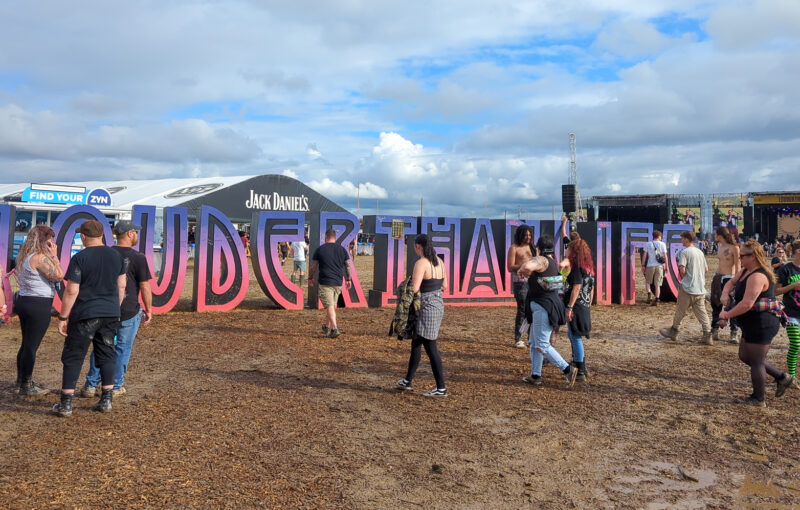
728, 254
518, 253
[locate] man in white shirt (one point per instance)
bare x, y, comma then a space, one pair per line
692, 292
299, 249
653, 269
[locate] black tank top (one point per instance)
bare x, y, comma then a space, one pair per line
431, 284
535, 290
752, 319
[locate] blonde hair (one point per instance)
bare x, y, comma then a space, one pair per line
761, 258
35, 243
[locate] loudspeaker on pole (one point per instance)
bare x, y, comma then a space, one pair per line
569, 199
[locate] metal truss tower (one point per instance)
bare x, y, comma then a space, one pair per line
573, 168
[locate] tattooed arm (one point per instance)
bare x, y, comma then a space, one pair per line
48, 265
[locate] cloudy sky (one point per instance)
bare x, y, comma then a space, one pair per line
467, 104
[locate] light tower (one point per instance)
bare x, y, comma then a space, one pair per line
573, 169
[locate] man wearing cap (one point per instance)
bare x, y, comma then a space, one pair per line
138, 280
90, 311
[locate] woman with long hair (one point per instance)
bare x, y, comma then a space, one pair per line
38, 269
520, 252
545, 311
578, 297
755, 283
429, 279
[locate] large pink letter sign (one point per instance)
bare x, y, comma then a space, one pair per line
221, 272
168, 286
266, 231
389, 252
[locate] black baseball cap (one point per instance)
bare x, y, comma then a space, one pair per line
124, 226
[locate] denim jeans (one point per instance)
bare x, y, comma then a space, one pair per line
577, 344
540, 341
123, 347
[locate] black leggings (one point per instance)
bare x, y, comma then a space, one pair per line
755, 355
34, 319
433, 354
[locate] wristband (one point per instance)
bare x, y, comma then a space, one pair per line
569, 307
63, 318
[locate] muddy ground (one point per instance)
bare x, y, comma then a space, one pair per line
255, 408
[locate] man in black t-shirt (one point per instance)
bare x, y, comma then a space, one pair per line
138, 280
90, 314
333, 262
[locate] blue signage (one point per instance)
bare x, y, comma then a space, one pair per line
53, 197
97, 197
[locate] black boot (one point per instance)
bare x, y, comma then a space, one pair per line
583, 374
104, 404
30, 388
63, 408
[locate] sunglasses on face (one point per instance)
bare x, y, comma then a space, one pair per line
743, 255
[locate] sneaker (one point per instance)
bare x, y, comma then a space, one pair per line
404, 384
520, 344
783, 384
654, 302
735, 335
706, 339
119, 392
333, 333
571, 376
715, 334
669, 332
535, 380
88, 392
751, 400
325, 329
31, 389
436, 392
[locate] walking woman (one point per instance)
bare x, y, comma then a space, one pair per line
518, 253
38, 269
429, 279
545, 311
578, 297
755, 282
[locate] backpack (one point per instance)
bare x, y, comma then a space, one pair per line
660, 258
9, 283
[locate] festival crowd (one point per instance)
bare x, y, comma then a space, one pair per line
107, 297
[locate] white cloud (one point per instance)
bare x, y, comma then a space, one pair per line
347, 189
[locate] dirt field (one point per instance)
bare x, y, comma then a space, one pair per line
255, 408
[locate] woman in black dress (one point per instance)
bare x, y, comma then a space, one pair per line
753, 283
578, 299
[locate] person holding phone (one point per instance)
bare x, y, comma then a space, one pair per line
38, 269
